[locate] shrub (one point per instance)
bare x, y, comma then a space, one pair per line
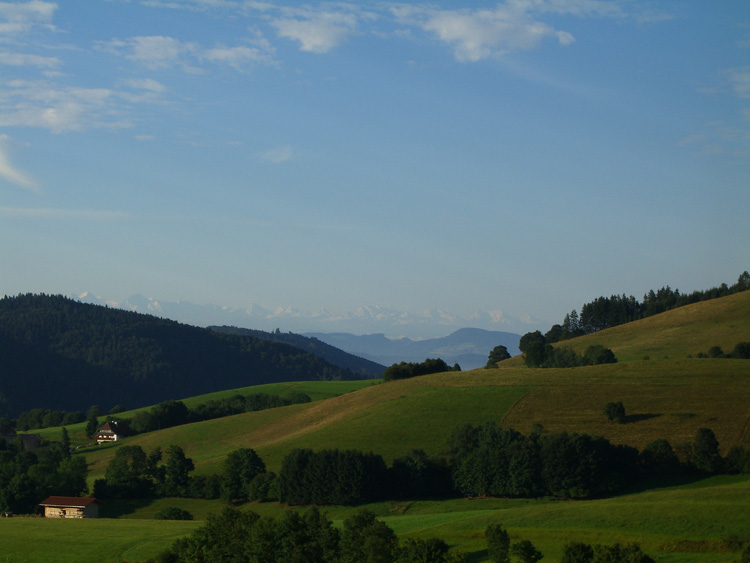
598, 354
577, 553
526, 551
615, 412
173, 513
715, 352
741, 351
498, 544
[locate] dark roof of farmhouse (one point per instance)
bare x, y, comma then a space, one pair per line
118, 427
77, 502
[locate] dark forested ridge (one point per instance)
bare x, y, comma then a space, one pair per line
312, 345
58, 353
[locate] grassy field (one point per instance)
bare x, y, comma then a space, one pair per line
667, 391
31, 540
673, 524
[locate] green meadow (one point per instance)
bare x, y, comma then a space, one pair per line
679, 523
668, 392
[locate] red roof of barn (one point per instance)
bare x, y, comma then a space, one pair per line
78, 502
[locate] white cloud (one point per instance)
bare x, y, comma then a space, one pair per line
21, 17
20, 59
278, 155
496, 316
478, 34
158, 52
237, 57
317, 32
739, 78
146, 84
47, 213
39, 104
11, 174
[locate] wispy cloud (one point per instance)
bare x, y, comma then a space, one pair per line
44, 105
317, 32
739, 79
157, 52
479, 34
148, 84
50, 213
239, 57
278, 155
22, 59
10, 173
19, 18
154, 52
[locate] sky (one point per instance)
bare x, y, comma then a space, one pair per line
520, 157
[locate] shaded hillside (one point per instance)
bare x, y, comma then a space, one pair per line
312, 345
61, 354
469, 347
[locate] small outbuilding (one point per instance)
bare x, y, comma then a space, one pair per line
112, 431
70, 507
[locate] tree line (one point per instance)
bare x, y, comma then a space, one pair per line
175, 413
539, 353
163, 415
406, 370
27, 477
310, 537
484, 460
606, 312
235, 535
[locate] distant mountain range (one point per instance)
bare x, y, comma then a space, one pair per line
469, 347
430, 323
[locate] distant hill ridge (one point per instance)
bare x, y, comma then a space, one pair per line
312, 345
61, 354
469, 347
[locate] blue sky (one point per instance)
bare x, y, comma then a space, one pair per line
520, 157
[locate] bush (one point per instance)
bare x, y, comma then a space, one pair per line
598, 354
526, 551
498, 544
741, 351
615, 412
577, 553
173, 513
715, 352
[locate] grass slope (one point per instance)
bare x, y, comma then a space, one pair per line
680, 333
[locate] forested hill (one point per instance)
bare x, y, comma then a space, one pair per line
60, 354
312, 345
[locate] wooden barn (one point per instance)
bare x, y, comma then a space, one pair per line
70, 507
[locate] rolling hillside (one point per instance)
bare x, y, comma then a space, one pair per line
669, 396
